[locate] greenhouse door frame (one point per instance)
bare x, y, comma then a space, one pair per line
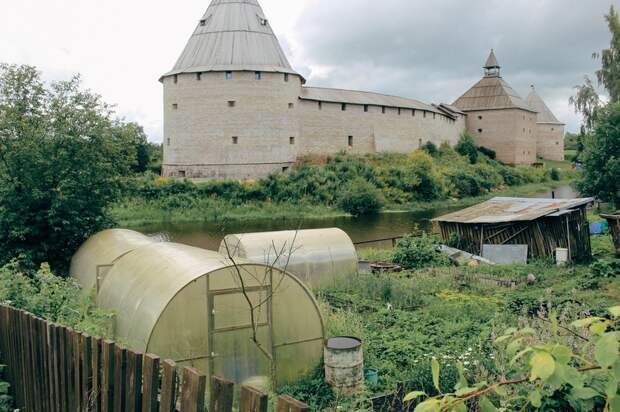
211, 295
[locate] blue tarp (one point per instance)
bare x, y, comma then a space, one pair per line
599, 228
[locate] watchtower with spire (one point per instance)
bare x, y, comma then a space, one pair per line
498, 118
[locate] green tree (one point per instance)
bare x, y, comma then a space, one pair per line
467, 147
601, 175
609, 74
61, 155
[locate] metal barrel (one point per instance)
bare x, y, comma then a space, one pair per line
344, 364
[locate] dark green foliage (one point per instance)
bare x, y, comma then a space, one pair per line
360, 197
491, 154
61, 155
431, 149
419, 252
555, 174
5, 396
601, 172
467, 147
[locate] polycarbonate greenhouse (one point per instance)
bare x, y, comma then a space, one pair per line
95, 257
191, 305
319, 257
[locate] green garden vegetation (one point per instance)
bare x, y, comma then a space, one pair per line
343, 184
450, 333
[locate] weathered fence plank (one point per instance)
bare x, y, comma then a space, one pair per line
120, 374
86, 371
253, 400
107, 376
96, 383
133, 382
168, 399
193, 390
150, 383
221, 395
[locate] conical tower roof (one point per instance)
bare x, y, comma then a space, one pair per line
491, 61
491, 93
233, 35
545, 115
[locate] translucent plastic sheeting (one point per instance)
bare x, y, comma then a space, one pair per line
243, 321
95, 258
319, 257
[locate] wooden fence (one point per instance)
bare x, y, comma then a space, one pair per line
52, 368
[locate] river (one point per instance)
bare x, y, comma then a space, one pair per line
360, 229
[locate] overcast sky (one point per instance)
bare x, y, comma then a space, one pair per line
429, 50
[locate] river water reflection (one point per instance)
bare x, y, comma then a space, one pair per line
360, 229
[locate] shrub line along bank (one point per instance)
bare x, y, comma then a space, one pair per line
339, 186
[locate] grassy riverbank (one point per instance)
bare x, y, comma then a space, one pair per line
337, 186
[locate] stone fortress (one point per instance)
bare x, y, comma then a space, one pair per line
235, 108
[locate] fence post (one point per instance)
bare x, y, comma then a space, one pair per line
107, 376
120, 365
86, 372
288, 404
133, 394
253, 400
221, 395
193, 391
168, 398
97, 373
150, 383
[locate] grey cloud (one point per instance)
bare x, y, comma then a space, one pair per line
434, 51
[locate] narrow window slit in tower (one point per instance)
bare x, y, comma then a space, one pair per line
383, 109
258, 75
413, 112
229, 75
366, 108
175, 106
286, 77
198, 76
235, 140
350, 141
291, 140
343, 107
176, 78
320, 105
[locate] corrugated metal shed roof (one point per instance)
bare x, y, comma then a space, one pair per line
491, 93
359, 97
233, 35
512, 209
545, 115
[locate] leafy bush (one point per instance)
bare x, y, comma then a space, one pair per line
430, 148
491, 154
467, 147
419, 252
555, 174
5, 398
360, 198
52, 298
63, 153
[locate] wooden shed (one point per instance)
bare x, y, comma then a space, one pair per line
544, 225
614, 227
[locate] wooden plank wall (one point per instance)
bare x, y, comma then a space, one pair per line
52, 368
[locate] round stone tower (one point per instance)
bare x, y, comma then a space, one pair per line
231, 101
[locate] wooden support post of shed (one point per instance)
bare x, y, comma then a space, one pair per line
568, 237
221, 394
481, 240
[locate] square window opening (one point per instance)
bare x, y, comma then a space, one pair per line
181, 173
479, 130
232, 103
175, 106
366, 108
343, 107
291, 105
285, 169
235, 140
203, 22
291, 140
